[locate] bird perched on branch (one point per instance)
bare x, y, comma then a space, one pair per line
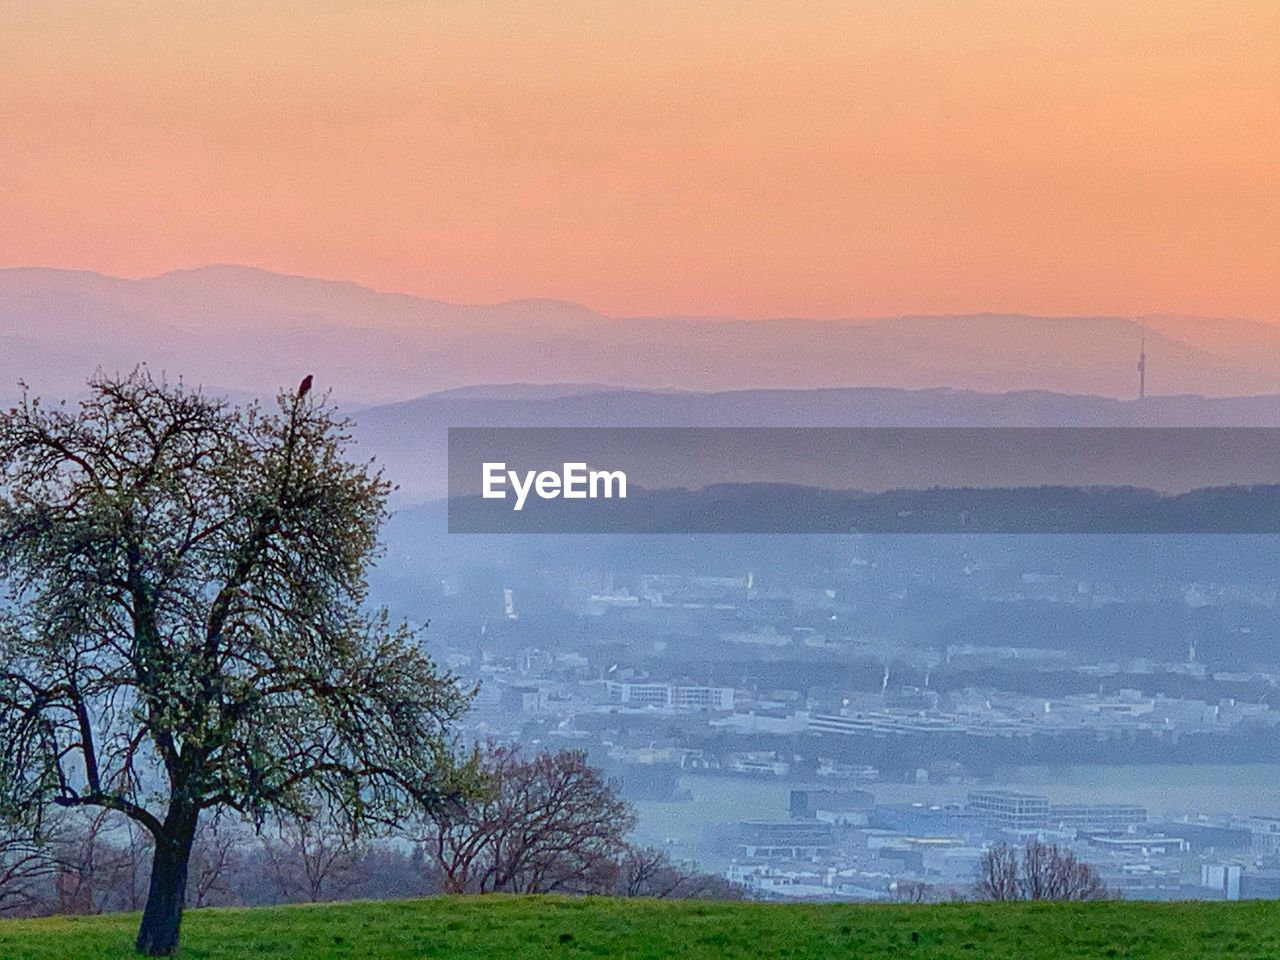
305, 387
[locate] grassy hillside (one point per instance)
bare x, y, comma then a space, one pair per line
482, 928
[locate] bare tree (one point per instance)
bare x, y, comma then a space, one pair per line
99, 869
216, 857
1050, 873
27, 865
999, 873
547, 823
391, 872
649, 872
646, 872
1037, 871
311, 859
182, 590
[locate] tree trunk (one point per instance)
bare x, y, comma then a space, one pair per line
167, 893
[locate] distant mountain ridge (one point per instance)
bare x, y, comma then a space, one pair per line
409, 438
249, 330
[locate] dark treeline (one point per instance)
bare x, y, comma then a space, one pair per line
90, 865
771, 508
547, 823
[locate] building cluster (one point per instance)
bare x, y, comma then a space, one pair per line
842, 845
666, 679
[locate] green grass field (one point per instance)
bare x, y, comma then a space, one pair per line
481, 928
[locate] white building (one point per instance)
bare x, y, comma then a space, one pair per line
665, 696
1265, 834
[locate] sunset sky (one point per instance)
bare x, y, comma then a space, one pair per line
748, 158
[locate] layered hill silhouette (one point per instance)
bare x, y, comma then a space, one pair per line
410, 438
412, 367
242, 329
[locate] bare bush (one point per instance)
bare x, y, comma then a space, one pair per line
79, 864
552, 823
217, 856
913, 891
102, 864
549, 823
1037, 871
1054, 874
310, 859
999, 873
27, 866
647, 872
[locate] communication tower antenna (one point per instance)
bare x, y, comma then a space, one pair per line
1142, 364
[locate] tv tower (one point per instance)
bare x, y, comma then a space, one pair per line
1142, 365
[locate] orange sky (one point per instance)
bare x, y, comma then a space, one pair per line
859, 157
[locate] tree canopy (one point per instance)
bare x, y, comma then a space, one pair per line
183, 624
